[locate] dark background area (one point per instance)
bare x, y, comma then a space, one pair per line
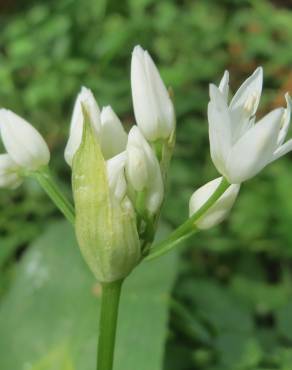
232, 301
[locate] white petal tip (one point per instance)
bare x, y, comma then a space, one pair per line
138, 50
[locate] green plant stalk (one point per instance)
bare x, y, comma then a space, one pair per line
188, 228
46, 181
108, 324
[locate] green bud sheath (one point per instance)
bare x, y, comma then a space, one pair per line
105, 226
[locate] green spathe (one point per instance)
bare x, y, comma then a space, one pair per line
105, 226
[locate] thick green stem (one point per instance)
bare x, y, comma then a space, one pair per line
187, 228
46, 181
108, 324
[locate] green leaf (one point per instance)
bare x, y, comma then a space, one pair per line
48, 319
284, 319
58, 359
238, 351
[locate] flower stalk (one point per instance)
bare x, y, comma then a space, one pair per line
45, 179
108, 324
186, 229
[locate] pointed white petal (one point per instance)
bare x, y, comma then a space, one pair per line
241, 122
219, 129
22, 141
249, 93
113, 137
86, 98
244, 104
255, 149
163, 103
282, 150
220, 209
224, 85
286, 121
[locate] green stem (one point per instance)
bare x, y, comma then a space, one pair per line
108, 324
187, 228
46, 181
165, 246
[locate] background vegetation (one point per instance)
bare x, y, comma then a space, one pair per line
231, 303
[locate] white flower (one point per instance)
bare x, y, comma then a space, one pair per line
23, 142
76, 128
9, 175
153, 107
240, 148
143, 171
219, 210
113, 137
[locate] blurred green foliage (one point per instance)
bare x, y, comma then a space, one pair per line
232, 305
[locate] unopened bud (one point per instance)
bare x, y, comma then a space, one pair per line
143, 170
153, 107
24, 144
219, 210
105, 224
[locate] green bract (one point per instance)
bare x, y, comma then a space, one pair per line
105, 226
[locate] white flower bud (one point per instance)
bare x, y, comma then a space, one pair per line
23, 142
86, 98
113, 136
219, 210
9, 176
153, 107
116, 175
105, 218
143, 170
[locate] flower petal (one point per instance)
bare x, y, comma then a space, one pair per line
143, 170
250, 89
224, 85
282, 150
116, 175
23, 142
9, 176
219, 129
144, 106
153, 107
164, 106
255, 149
86, 97
286, 120
113, 138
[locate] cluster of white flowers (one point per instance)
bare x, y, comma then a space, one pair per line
132, 164
240, 146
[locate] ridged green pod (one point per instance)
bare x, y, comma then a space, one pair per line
105, 227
